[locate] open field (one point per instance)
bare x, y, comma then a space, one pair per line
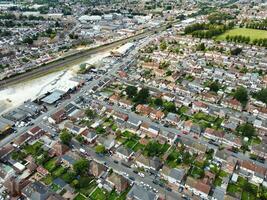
252, 33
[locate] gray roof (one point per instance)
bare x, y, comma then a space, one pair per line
53, 97
36, 191
139, 193
124, 151
134, 121
177, 174
219, 193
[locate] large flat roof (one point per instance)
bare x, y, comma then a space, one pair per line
53, 97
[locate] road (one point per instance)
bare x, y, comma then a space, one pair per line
121, 169
73, 58
88, 87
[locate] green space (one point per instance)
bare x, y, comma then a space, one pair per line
247, 190
130, 140
205, 120
86, 186
247, 32
154, 148
98, 194
51, 164
80, 197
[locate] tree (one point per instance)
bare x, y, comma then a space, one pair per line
163, 46
153, 148
246, 130
215, 86
201, 47
90, 113
65, 137
100, 149
81, 166
261, 95
131, 91
241, 95
236, 51
69, 176
142, 96
170, 107
158, 102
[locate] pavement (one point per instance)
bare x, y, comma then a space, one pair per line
121, 169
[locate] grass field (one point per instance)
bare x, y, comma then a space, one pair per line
252, 33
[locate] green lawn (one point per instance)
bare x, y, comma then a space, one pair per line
79, 197
58, 171
34, 149
98, 194
87, 189
47, 180
252, 33
50, 165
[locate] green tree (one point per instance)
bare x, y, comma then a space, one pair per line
170, 107
163, 46
142, 96
90, 113
201, 47
100, 149
246, 130
131, 91
261, 95
215, 86
81, 166
241, 95
65, 137
158, 102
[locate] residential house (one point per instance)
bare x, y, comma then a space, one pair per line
69, 159
118, 181
173, 176
133, 123
254, 172
172, 119
77, 130
140, 193
89, 136
108, 142
260, 150
194, 147
232, 140
96, 169
198, 187
124, 153
148, 163
59, 149
5, 172
232, 103
149, 129
36, 191
213, 134
36, 133
57, 117
198, 106
187, 125
143, 109
156, 114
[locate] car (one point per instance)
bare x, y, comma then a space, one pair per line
169, 189
115, 161
155, 182
132, 178
141, 174
180, 189
161, 184
135, 171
